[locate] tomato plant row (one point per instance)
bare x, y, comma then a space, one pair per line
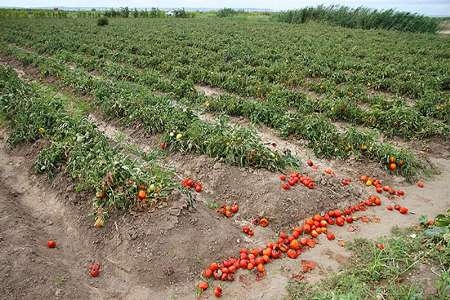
74, 146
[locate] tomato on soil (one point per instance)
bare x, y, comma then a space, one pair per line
420, 184
263, 222
51, 244
198, 188
203, 285
403, 210
94, 269
218, 292
282, 177
331, 236
309, 163
392, 166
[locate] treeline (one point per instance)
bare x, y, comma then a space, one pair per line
123, 12
361, 17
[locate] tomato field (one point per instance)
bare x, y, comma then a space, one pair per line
211, 148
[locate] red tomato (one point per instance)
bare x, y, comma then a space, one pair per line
198, 188
291, 253
51, 244
213, 266
142, 195
207, 273
309, 163
397, 207
420, 184
94, 269
349, 219
330, 236
294, 245
218, 292
189, 182
403, 210
286, 186
260, 268
282, 177
234, 208
377, 201
340, 221
203, 285
380, 246
389, 207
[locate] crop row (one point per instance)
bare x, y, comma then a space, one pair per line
259, 63
182, 129
392, 116
72, 145
324, 138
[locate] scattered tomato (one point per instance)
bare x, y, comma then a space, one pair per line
94, 269
263, 222
203, 285
218, 292
331, 236
51, 244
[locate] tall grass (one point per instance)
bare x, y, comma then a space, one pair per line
361, 17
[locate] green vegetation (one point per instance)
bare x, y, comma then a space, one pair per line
72, 145
102, 21
374, 273
299, 80
361, 17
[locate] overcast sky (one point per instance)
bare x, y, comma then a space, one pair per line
430, 7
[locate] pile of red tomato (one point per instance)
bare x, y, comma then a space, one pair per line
302, 238
191, 184
379, 187
296, 178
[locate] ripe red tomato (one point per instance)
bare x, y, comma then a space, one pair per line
420, 184
340, 221
309, 163
392, 166
291, 253
198, 188
218, 292
286, 186
390, 207
213, 266
349, 219
377, 201
142, 195
403, 210
397, 207
260, 268
94, 269
282, 177
207, 273
189, 182
380, 246
234, 208
203, 285
51, 244
330, 236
